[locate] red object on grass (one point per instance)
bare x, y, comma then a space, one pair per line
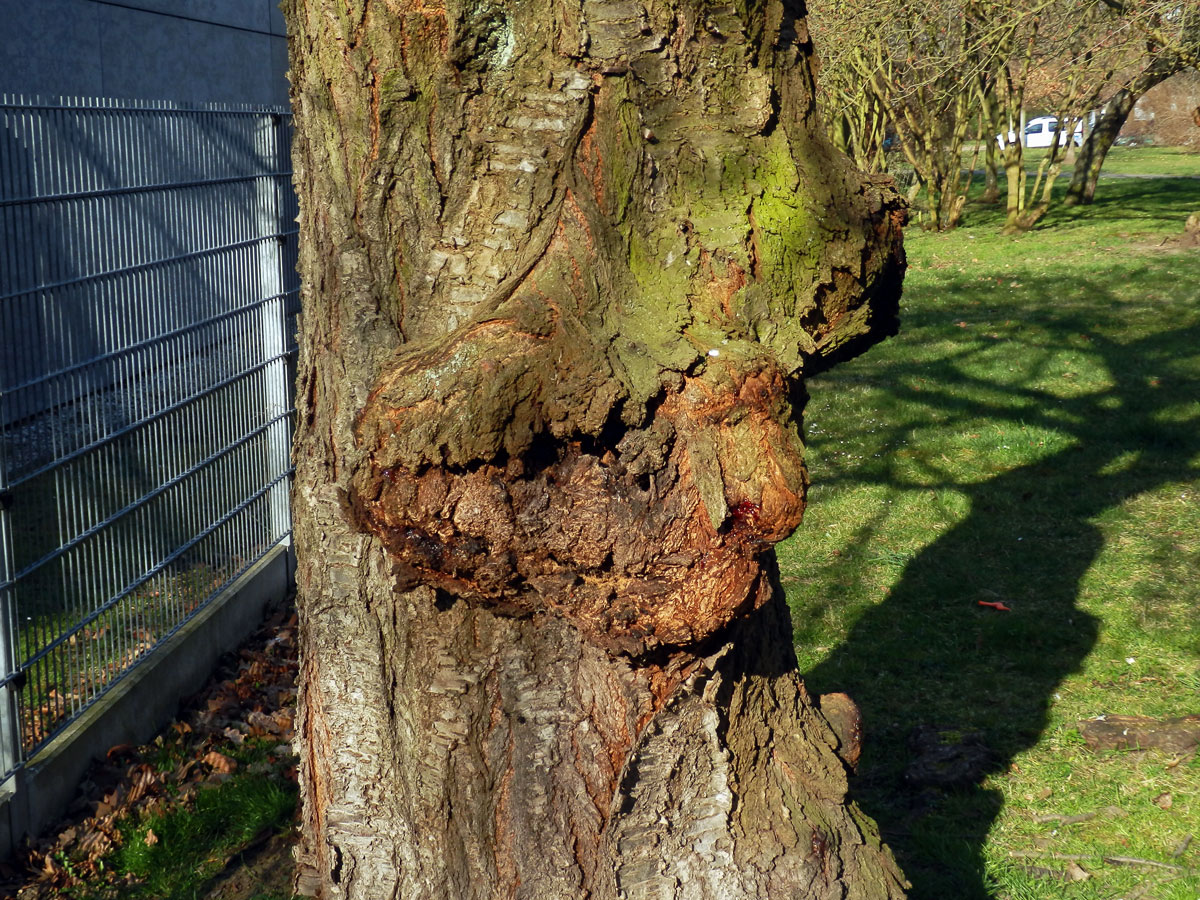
999, 606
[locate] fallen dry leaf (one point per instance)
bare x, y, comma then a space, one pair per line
286, 722
234, 735
1076, 872
95, 845
151, 838
219, 762
143, 778
1163, 800
262, 722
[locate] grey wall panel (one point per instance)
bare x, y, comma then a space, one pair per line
147, 56
278, 26
235, 64
50, 47
251, 14
192, 51
279, 63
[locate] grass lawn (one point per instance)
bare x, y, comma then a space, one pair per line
1150, 161
1121, 161
1031, 438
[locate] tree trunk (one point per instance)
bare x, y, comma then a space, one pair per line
564, 266
1099, 140
1095, 147
1165, 61
1015, 178
991, 172
989, 124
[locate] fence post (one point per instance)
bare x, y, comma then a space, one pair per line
10, 734
274, 341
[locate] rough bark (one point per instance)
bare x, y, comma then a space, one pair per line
565, 264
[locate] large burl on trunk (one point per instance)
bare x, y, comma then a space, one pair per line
565, 264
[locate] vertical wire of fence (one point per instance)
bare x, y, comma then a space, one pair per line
147, 311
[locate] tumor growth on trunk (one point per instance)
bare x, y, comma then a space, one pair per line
566, 264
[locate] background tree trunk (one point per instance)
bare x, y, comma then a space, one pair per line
564, 265
1097, 143
991, 171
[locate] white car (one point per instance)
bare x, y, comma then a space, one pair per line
1040, 132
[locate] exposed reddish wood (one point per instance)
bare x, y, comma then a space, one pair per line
591, 163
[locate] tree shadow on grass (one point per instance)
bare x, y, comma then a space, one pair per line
952, 691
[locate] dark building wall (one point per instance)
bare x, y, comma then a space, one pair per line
192, 51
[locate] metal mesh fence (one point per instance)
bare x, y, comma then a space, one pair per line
147, 303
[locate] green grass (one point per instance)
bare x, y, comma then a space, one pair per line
176, 851
1151, 161
1156, 161
192, 845
1032, 437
